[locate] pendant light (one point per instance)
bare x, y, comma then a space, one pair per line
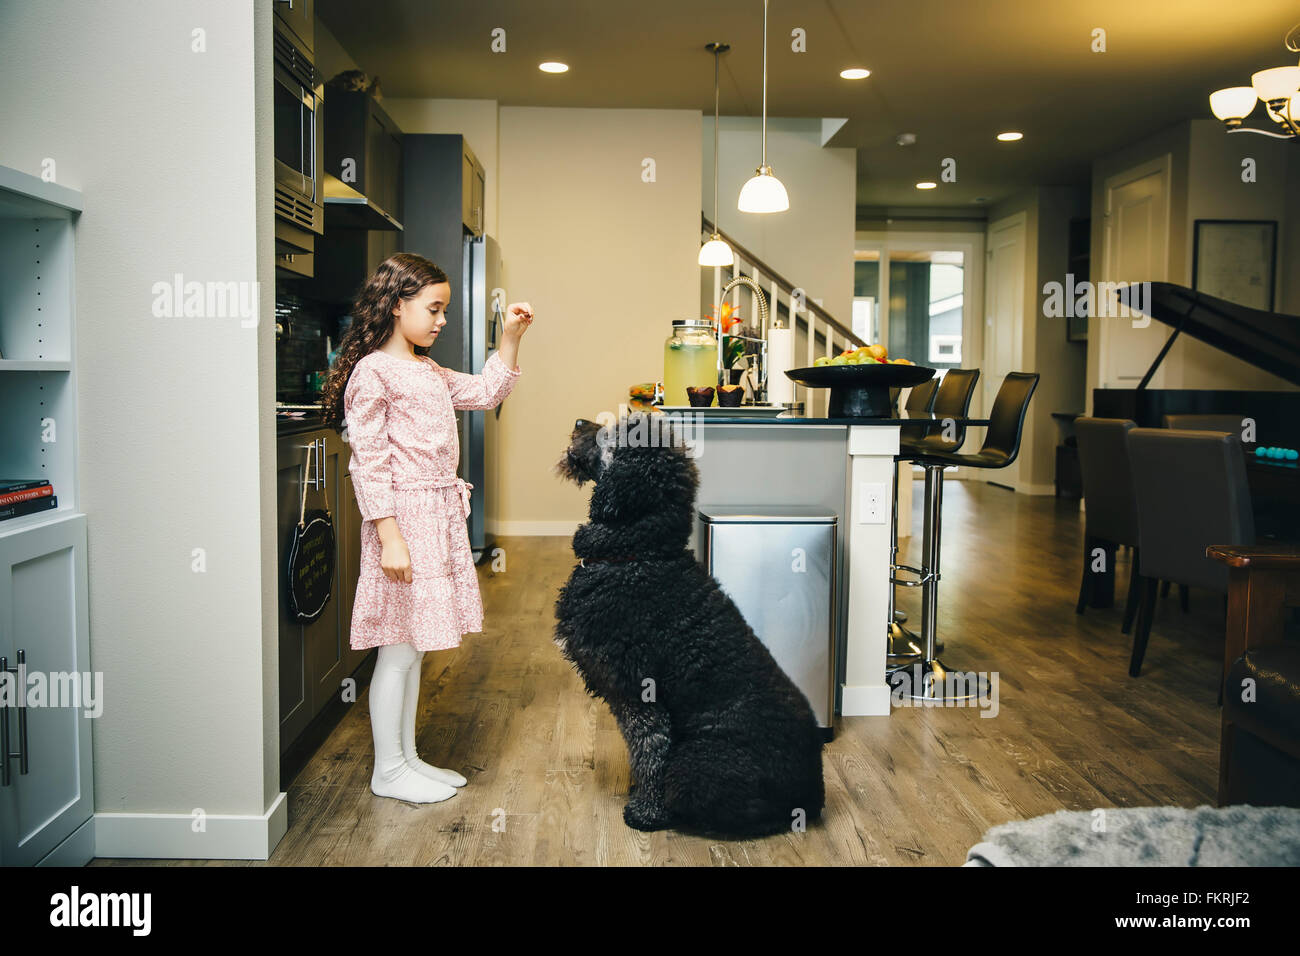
716, 252
763, 192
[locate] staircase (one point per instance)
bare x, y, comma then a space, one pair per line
822, 333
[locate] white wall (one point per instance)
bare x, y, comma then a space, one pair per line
171, 150
811, 243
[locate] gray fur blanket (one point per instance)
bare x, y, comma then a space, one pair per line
1239, 835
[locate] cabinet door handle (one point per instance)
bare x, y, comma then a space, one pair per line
5, 754
320, 462
310, 461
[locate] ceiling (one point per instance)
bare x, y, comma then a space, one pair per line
954, 72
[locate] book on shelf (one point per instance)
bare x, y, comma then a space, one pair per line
44, 490
21, 484
32, 506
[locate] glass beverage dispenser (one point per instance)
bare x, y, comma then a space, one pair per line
690, 359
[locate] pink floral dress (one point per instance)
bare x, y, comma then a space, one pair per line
401, 426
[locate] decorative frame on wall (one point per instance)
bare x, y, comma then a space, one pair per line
1236, 260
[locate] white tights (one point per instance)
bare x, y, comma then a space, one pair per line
394, 698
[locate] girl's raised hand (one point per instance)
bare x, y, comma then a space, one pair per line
519, 316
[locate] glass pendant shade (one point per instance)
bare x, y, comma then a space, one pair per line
1278, 83
763, 193
716, 252
1233, 103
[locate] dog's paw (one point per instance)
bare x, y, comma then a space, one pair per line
641, 816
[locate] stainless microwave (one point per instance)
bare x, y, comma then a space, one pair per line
299, 100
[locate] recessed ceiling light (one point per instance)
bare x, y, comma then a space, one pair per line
856, 73
906, 139
1010, 137
926, 185
550, 66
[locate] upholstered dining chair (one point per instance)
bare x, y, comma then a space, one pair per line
1191, 492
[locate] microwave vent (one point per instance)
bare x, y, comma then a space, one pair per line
295, 210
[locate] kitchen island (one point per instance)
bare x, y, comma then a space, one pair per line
845, 465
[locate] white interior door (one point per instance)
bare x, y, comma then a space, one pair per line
1135, 249
1004, 318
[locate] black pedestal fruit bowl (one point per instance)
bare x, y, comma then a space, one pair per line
860, 391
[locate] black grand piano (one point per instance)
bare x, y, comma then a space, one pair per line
1268, 340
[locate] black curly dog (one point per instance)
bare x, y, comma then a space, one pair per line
719, 739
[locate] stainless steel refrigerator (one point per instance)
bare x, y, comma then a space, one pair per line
442, 212
483, 315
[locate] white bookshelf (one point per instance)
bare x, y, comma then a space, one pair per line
38, 385
46, 805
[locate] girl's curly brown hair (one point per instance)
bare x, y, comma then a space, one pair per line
400, 276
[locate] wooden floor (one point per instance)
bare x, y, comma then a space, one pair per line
548, 773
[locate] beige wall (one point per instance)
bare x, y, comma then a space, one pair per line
607, 261
811, 243
1060, 364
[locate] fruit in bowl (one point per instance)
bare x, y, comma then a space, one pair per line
874, 354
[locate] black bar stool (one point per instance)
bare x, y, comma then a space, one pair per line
949, 398
1000, 448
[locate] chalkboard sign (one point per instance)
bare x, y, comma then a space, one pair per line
311, 565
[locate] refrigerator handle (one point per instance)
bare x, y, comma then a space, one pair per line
497, 317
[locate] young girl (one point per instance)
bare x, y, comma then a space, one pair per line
417, 590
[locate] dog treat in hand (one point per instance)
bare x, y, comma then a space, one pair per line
700, 397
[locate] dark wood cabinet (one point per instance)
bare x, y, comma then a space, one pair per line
363, 149
364, 198
300, 17
472, 191
316, 657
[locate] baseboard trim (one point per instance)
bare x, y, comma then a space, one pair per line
1049, 489
171, 836
564, 529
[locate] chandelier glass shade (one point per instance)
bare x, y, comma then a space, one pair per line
1278, 88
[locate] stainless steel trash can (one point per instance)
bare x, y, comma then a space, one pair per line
778, 565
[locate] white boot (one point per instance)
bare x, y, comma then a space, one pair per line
392, 776
412, 701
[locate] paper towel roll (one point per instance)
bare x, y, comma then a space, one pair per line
780, 358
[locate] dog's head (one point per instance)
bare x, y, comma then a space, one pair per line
639, 465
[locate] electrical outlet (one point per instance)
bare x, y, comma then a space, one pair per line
873, 503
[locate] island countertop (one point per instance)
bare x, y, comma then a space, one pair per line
905, 418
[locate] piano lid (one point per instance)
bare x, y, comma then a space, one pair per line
1267, 340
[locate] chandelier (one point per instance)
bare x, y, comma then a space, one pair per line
1276, 87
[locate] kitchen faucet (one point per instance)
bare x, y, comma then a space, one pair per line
760, 387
